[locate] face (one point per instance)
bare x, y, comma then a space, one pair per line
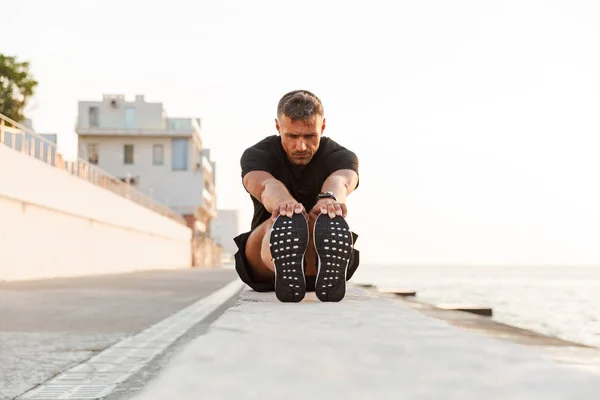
300, 139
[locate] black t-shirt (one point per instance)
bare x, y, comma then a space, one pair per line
303, 182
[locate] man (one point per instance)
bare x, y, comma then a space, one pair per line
298, 182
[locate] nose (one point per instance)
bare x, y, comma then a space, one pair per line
300, 145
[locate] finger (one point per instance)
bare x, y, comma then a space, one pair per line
275, 212
299, 208
289, 210
331, 210
344, 210
283, 209
323, 208
338, 209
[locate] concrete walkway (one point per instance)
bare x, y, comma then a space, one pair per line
364, 347
48, 326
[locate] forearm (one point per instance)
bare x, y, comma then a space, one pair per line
340, 187
274, 192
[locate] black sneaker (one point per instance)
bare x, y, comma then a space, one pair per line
289, 240
333, 243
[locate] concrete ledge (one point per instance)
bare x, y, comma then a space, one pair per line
473, 309
482, 324
397, 292
367, 346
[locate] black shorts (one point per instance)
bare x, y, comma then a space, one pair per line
242, 266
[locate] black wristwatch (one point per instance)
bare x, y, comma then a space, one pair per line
326, 195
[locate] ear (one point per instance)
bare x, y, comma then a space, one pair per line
277, 126
323, 126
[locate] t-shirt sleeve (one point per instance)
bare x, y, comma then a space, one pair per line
254, 159
342, 159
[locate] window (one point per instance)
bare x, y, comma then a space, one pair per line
158, 154
129, 118
93, 153
93, 116
128, 156
180, 154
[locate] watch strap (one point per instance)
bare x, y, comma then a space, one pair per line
326, 195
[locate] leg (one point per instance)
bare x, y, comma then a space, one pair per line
258, 253
275, 251
311, 254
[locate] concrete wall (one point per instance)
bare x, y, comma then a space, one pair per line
53, 224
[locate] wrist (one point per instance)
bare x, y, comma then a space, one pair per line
325, 201
326, 195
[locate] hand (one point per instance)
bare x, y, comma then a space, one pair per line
329, 206
288, 208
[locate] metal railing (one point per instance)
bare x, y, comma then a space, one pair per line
25, 140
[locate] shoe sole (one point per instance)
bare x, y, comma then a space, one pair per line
288, 243
333, 244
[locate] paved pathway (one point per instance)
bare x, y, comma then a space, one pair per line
48, 326
364, 347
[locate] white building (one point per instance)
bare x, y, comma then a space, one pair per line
224, 228
161, 156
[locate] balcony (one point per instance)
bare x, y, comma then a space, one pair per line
207, 165
184, 124
99, 131
206, 195
209, 203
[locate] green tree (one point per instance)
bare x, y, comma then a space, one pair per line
16, 87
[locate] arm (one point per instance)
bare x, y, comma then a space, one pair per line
273, 194
341, 183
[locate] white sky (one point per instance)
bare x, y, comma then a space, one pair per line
475, 122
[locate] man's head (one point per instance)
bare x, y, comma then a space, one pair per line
300, 122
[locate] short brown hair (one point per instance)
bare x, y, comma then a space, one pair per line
300, 105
